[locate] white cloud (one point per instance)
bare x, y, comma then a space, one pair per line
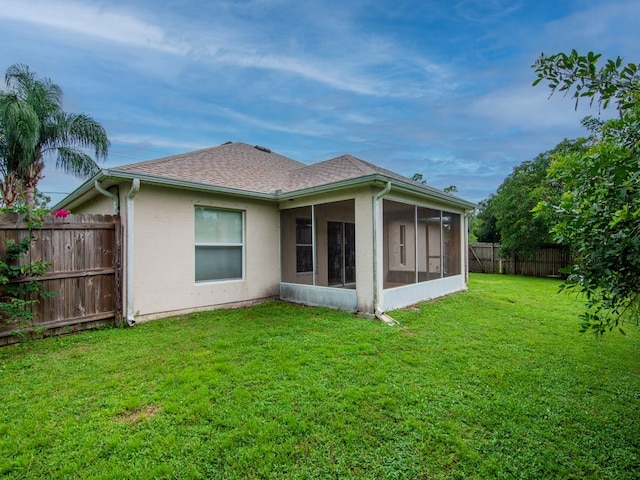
357, 68
528, 108
591, 29
92, 21
155, 142
486, 10
307, 127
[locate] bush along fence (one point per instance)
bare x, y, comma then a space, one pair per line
58, 273
546, 262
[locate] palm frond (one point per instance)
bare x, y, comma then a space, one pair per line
76, 162
34, 127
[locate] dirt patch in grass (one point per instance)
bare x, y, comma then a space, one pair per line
135, 416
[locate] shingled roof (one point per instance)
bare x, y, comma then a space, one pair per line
230, 165
257, 169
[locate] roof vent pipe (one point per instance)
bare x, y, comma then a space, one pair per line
135, 188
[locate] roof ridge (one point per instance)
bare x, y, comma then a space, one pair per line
358, 163
159, 161
183, 155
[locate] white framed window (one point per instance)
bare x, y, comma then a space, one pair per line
304, 245
219, 244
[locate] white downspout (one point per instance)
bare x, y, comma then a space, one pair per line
135, 187
465, 247
107, 193
378, 312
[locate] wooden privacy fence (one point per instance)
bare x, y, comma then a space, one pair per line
547, 261
84, 253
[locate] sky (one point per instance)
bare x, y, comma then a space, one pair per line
440, 88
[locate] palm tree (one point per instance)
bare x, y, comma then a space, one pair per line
34, 127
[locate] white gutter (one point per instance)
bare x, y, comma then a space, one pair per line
135, 187
377, 301
113, 196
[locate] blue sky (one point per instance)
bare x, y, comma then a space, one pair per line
441, 88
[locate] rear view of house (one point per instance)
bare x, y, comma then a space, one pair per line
237, 224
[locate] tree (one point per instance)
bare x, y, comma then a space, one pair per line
598, 213
507, 216
418, 177
484, 227
450, 189
613, 81
34, 127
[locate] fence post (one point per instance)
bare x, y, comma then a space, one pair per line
493, 261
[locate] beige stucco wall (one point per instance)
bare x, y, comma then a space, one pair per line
365, 250
164, 251
96, 205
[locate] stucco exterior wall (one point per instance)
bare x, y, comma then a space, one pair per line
365, 251
165, 253
97, 205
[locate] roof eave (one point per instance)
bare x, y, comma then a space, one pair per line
433, 193
170, 182
79, 192
115, 174
381, 180
374, 179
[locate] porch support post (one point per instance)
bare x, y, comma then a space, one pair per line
415, 243
364, 251
314, 244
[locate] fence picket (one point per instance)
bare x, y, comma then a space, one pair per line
84, 256
547, 261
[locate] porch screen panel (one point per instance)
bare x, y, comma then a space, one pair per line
399, 223
296, 245
335, 253
451, 231
349, 253
433, 226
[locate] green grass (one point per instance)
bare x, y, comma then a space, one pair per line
495, 382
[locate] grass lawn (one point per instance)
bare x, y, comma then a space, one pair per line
495, 382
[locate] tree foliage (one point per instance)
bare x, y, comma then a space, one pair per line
34, 127
508, 217
20, 288
418, 177
484, 226
581, 74
598, 213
